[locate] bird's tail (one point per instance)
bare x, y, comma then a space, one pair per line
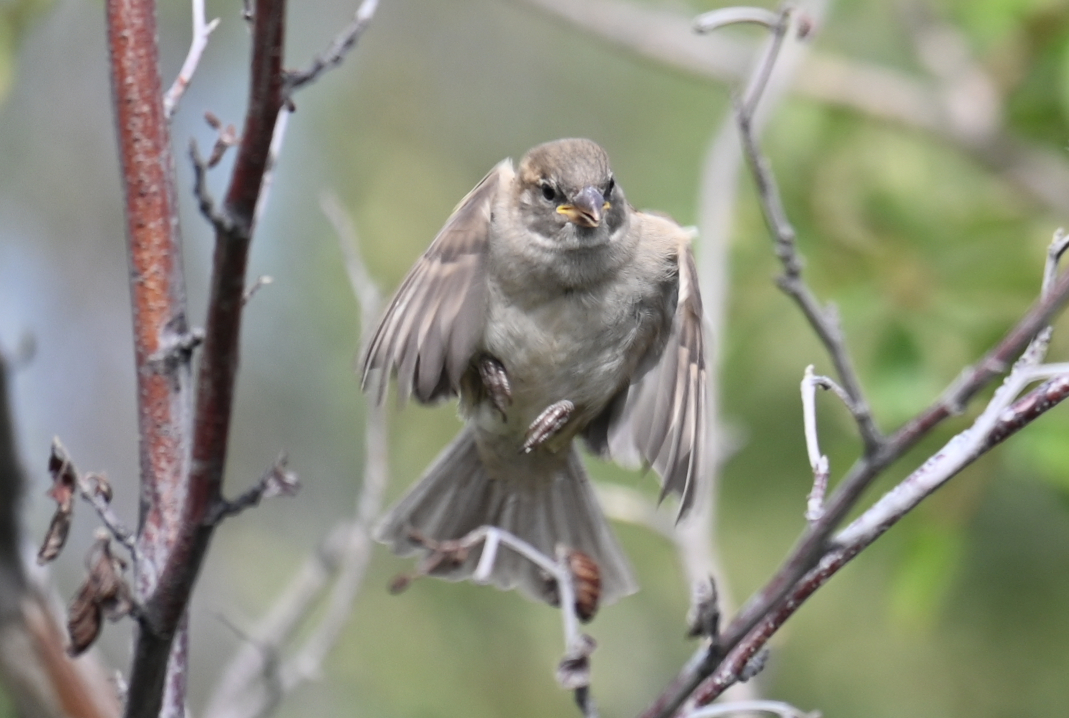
544, 502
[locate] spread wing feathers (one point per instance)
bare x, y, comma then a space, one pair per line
430, 330
659, 420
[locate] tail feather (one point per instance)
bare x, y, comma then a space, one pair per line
541, 503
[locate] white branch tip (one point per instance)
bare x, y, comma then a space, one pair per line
716, 19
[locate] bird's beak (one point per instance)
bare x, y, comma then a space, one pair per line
585, 208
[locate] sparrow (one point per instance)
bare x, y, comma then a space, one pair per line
556, 312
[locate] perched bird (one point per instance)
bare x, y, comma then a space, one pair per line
555, 310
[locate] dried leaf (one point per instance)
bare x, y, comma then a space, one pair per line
64, 477
83, 620
104, 594
55, 537
64, 485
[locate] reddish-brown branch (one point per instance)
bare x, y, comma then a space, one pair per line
157, 284
174, 534
219, 352
159, 315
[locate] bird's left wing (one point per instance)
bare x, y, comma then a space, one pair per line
659, 420
434, 322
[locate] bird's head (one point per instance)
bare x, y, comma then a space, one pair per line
567, 193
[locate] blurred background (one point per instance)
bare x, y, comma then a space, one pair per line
926, 224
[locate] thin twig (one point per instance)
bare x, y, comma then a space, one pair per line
1058, 247
339, 47
262, 281
201, 33
273, 152
962, 450
184, 544
810, 548
824, 321
875, 91
276, 481
722, 17
205, 201
784, 710
258, 678
759, 78
762, 615
817, 460
491, 538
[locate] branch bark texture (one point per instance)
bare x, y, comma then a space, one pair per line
182, 455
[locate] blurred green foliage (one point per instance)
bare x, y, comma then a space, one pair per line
928, 254
16, 17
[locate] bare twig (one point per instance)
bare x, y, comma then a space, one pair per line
962, 450
276, 481
177, 550
756, 621
812, 561
823, 320
205, 201
722, 17
275, 149
201, 32
758, 83
817, 460
694, 537
262, 281
227, 137
339, 47
258, 677
1058, 247
875, 91
784, 710
573, 672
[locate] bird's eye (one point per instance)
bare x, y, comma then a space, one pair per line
610, 187
548, 192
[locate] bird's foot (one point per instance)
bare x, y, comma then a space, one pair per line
548, 424
496, 381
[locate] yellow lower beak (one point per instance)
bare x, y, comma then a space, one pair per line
585, 208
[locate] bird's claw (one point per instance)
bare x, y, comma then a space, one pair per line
548, 423
496, 381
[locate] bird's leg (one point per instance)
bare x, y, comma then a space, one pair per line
496, 383
548, 423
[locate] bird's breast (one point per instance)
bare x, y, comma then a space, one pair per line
581, 346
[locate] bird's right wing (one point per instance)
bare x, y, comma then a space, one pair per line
432, 326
